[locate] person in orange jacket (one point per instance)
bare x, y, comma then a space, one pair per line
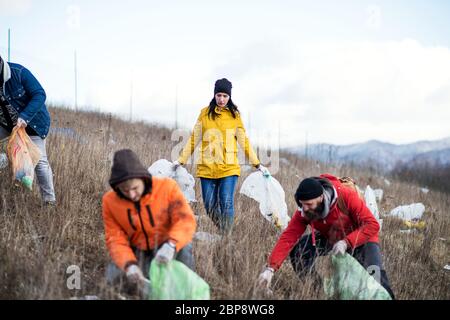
145, 218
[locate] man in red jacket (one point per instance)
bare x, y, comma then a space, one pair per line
340, 222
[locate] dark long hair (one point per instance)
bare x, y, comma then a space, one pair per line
212, 108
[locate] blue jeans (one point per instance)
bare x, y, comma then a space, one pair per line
218, 198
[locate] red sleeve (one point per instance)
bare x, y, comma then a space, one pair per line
287, 240
367, 225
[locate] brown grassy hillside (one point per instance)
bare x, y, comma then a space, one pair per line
38, 244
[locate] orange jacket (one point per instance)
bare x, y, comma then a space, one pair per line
163, 214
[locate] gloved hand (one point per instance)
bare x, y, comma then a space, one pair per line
339, 247
134, 274
21, 123
165, 253
265, 278
264, 170
175, 165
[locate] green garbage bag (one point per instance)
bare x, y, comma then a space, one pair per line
175, 281
348, 280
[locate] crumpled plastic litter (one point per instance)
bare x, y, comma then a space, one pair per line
270, 195
371, 203
206, 236
3, 160
408, 212
378, 194
163, 168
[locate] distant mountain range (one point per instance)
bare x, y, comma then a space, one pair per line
381, 155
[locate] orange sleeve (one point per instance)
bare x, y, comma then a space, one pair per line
116, 239
183, 221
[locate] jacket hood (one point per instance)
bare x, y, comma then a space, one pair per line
126, 165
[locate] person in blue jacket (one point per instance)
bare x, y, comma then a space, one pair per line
22, 104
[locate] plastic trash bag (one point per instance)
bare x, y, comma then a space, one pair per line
163, 168
270, 195
23, 156
371, 203
175, 281
348, 280
409, 212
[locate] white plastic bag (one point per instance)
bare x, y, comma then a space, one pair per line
270, 195
163, 168
371, 203
409, 212
378, 194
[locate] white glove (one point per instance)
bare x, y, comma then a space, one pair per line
264, 170
21, 123
175, 165
134, 274
339, 247
165, 253
265, 278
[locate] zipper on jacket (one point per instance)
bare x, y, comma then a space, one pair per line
138, 208
150, 216
130, 220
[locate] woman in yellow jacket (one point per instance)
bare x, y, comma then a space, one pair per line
219, 128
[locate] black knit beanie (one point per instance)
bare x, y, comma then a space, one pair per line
308, 189
224, 86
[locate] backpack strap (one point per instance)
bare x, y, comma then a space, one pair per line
342, 207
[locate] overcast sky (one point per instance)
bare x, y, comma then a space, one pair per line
334, 71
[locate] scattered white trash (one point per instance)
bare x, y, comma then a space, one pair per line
163, 168
3, 160
425, 190
447, 267
206, 236
270, 195
371, 203
387, 182
378, 194
409, 212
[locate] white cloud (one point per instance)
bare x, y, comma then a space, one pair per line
353, 91
14, 7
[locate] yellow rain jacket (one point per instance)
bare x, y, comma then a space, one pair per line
218, 152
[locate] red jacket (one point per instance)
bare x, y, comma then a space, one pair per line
357, 228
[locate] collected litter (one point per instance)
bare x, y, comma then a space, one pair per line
164, 168
270, 195
347, 279
23, 156
175, 281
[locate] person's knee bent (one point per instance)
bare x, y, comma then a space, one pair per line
185, 256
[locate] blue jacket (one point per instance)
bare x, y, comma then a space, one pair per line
27, 96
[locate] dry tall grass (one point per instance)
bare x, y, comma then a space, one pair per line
38, 244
